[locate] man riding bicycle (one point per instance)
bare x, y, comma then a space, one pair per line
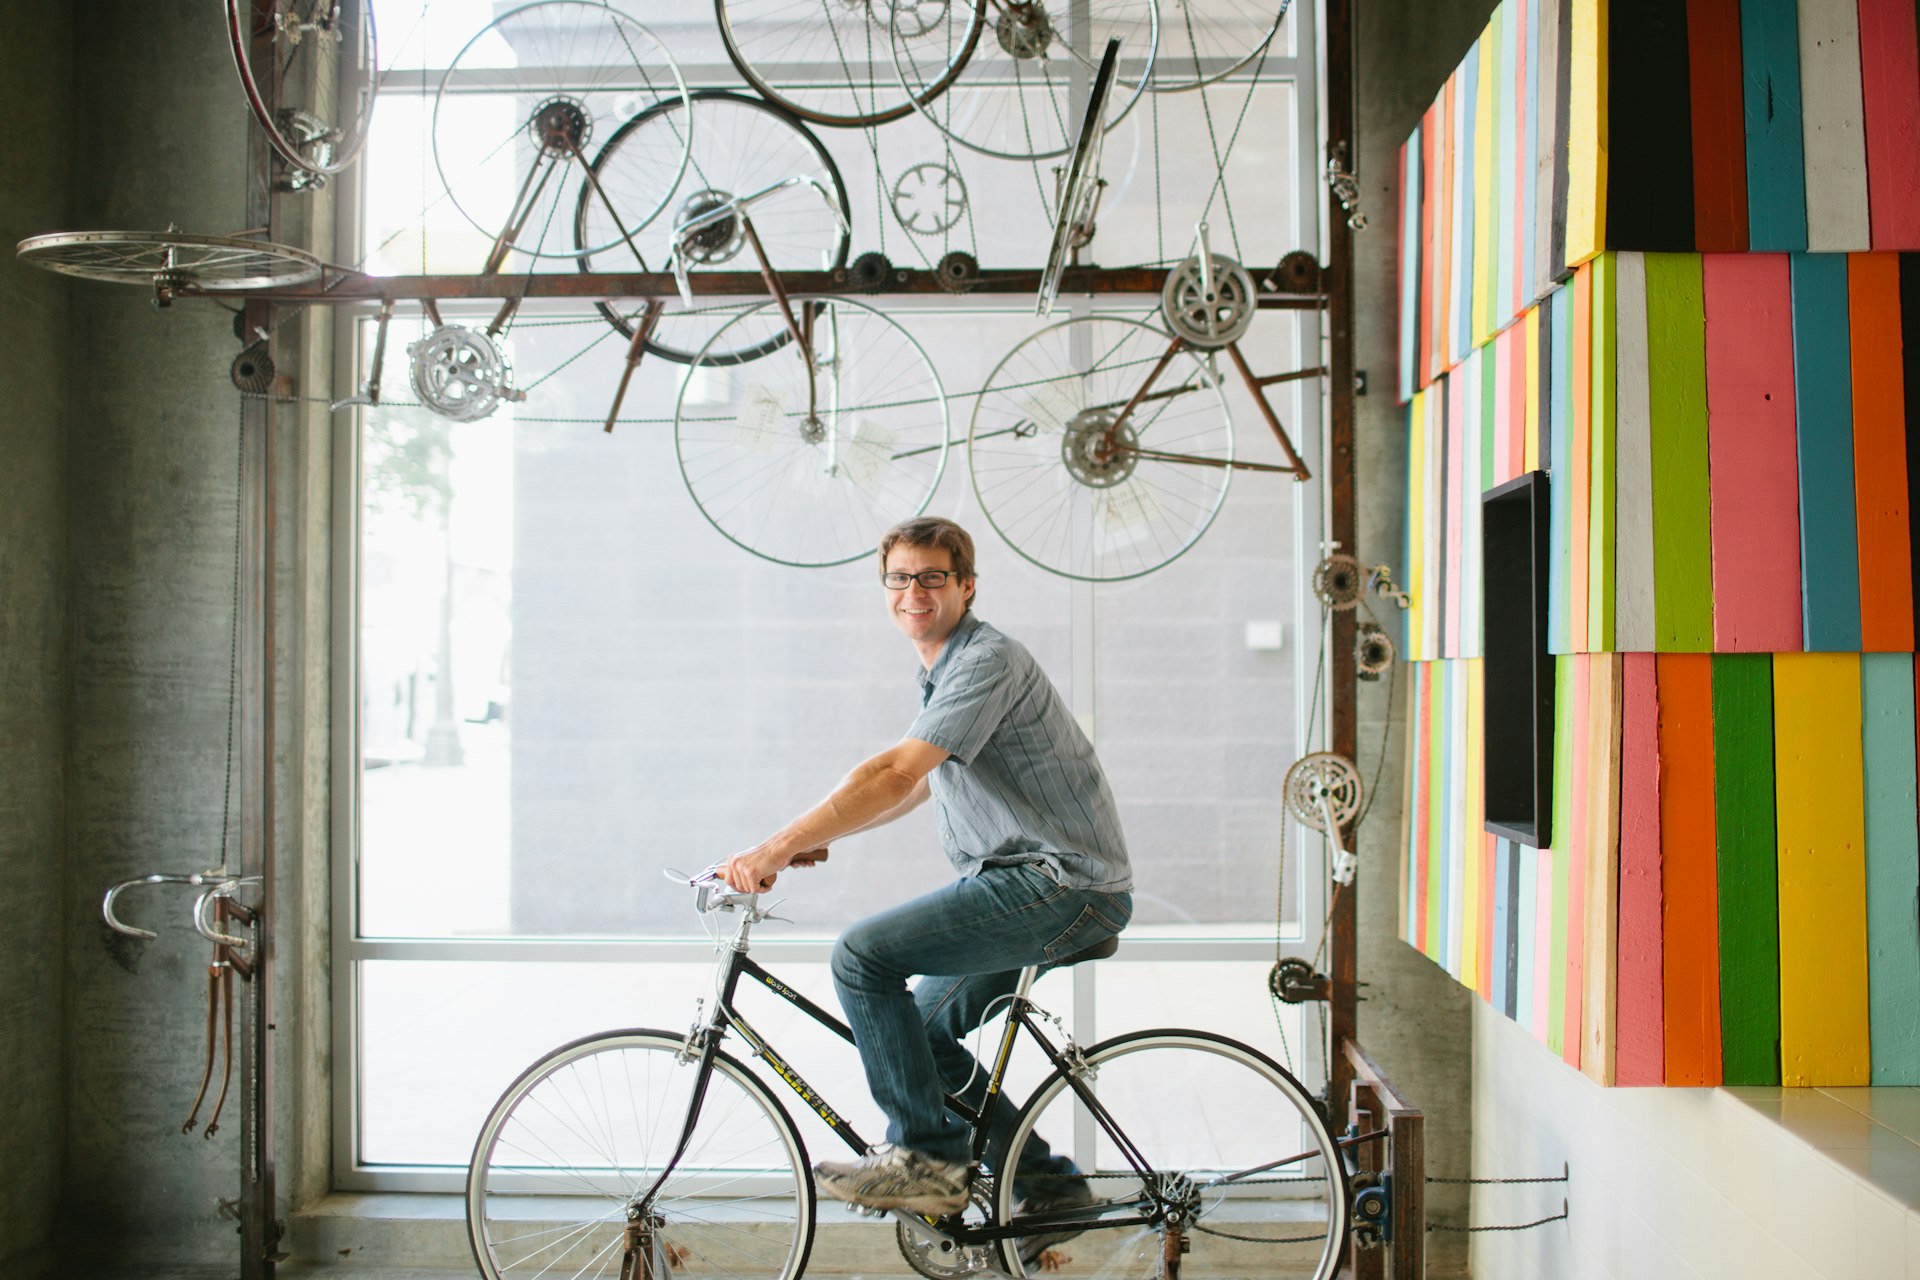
1025, 816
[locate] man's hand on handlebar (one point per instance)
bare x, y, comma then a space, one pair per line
755, 870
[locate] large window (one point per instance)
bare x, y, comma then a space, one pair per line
566, 681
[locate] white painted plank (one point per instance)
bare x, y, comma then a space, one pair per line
1633, 630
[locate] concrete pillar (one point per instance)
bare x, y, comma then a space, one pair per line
1415, 1020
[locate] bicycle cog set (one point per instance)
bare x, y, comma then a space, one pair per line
1372, 651
460, 374
1209, 308
1024, 30
1337, 581
717, 240
560, 127
1096, 455
937, 1257
915, 18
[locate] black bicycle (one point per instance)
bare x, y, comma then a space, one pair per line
651, 1155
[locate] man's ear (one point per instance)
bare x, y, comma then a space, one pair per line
971, 584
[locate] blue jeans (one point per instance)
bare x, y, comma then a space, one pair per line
970, 939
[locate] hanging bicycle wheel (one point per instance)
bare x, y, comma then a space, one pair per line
1077, 483
566, 1178
523, 106
808, 463
828, 61
1226, 1136
1080, 187
315, 97
744, 150
1204, 43
170, 260
1021, 93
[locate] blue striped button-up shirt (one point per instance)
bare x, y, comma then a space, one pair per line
1021, 783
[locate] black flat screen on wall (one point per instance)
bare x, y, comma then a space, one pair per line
1517, 669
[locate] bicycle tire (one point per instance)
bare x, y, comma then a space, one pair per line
1198, 1105
718, 159
264, 105
812, 473
582, 1133
1099, 516
787, 97
1082, 181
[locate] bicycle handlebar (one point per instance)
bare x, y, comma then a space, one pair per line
217, 883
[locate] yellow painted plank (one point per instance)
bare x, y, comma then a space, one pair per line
1587, 134
1485, 156
1819, 798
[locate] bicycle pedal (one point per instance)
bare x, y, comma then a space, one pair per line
866, 1211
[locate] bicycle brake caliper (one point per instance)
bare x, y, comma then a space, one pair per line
696, 1041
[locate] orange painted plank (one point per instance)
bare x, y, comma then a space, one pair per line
1690, 932
1638, 1054
1880, 453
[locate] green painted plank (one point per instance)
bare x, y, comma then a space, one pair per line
1893, 867
1564, 727
1677, 388
1748, 877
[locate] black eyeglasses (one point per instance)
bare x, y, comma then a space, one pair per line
931, 579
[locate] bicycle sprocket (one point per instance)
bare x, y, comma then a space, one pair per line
937, 1256
1322, 775
1209, 309
460, 374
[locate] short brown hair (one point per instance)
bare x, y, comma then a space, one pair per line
936, 532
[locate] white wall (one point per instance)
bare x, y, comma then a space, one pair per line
1677, 1183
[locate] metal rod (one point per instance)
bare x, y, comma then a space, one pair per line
779, 292
635, 349
1173, 349
522, 209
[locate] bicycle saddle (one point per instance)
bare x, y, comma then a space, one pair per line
1098, 951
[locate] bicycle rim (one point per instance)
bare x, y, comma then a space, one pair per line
1203, 1108
583, 1133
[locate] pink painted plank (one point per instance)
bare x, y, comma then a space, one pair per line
1640, 1010
1751, 449
1890, 84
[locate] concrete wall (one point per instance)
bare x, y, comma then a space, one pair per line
152, 453
36, 64
1415, 1020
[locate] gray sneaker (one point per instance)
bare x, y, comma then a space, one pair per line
890, 1177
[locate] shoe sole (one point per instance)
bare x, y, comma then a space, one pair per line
941, 1205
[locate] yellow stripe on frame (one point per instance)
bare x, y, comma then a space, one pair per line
1587, 134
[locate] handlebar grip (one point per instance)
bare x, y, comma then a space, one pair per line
811, 858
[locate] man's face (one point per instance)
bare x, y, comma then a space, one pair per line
923, 615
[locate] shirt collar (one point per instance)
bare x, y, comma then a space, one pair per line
961, 637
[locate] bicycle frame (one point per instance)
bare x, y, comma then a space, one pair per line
706, 1037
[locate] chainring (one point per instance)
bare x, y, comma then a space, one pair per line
1208, 318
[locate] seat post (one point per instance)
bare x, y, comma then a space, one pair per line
1025, 985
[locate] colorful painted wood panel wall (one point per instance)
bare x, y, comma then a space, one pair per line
1668, 126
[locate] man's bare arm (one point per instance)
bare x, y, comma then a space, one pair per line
876, 791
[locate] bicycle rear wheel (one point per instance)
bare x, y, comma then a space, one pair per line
1223, 1128
573, 1144
1072, 486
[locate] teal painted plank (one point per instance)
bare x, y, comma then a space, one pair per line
1893, 866
1748, 876
1776, 156
1823, 415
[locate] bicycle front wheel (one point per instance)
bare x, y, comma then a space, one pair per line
570, 1153
1221, 1129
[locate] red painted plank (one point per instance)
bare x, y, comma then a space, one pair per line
1880, 453
1640, 1055
1751, 447
1689, 871
1719, 126
1576, 844
1489, 856
1890, 85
